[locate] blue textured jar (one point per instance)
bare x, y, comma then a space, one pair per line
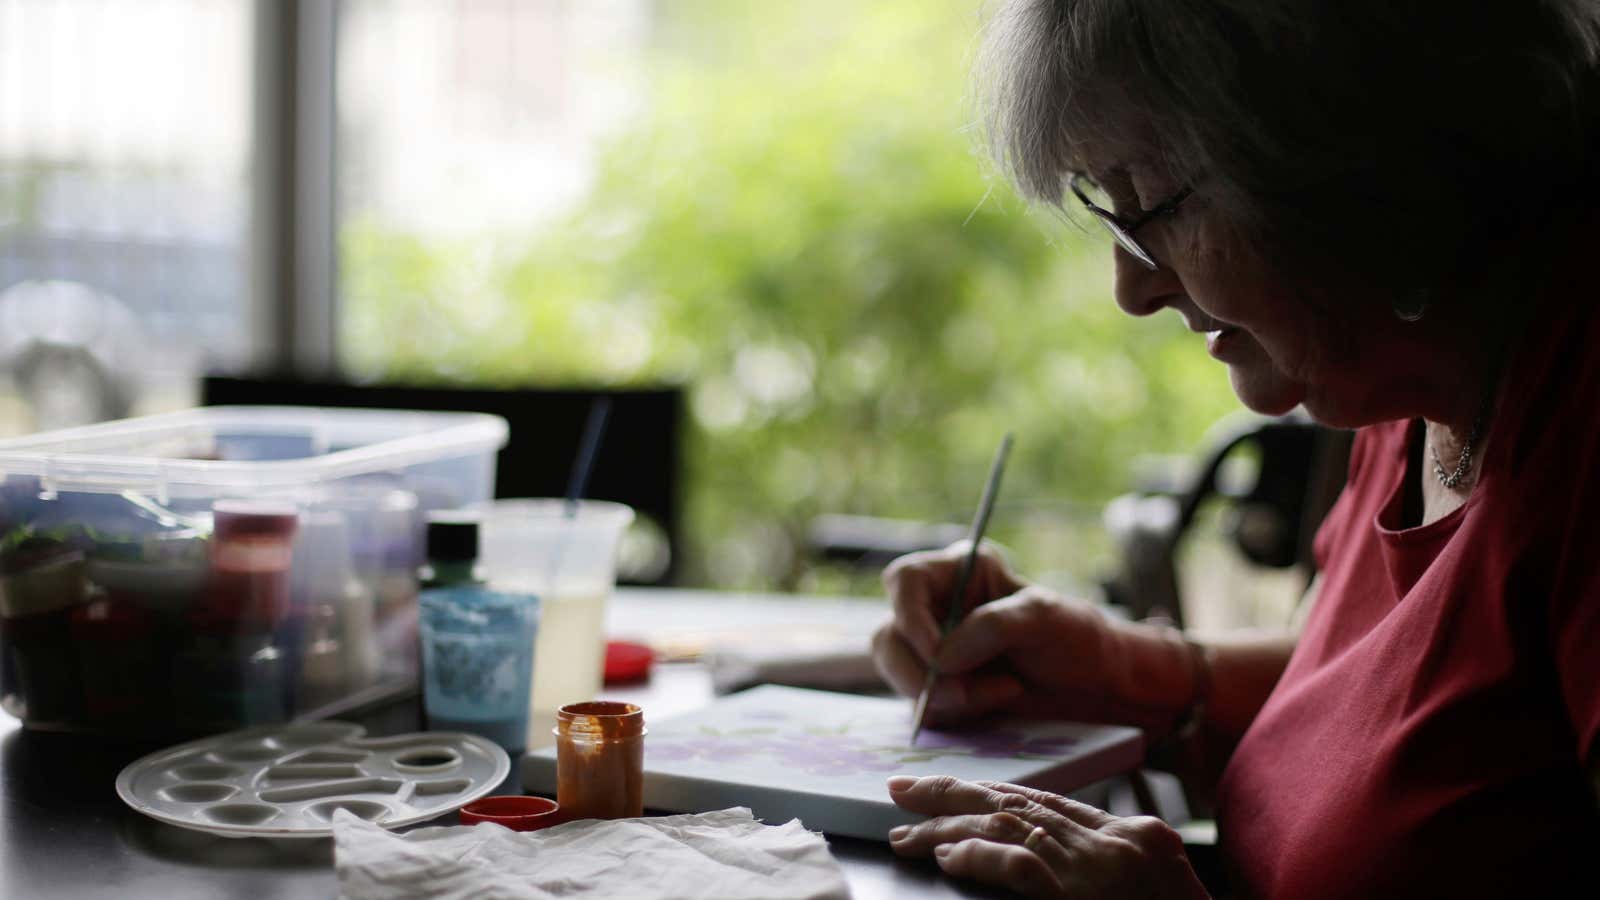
477, 661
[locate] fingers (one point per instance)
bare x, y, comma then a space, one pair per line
920, 587
985, 846
991, 574
954, 698
945, 795
1038, 843
897, 662
1003, 828
957, 698
1011, 866
921, 839
994, 628
1081, 813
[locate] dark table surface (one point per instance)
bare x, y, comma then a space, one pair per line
65, 833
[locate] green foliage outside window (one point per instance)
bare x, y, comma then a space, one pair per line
802, 232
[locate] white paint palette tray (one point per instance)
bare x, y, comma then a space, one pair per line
288, 780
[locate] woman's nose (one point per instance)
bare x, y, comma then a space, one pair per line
1139, 290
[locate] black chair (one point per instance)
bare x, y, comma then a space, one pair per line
1299, 471
639, 463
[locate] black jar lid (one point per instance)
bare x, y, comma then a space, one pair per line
452, 537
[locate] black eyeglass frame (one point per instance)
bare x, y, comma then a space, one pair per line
1122, 229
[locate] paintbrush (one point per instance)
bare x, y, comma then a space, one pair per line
980, 523
594, 429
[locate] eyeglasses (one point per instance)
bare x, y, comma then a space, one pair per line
1122, 229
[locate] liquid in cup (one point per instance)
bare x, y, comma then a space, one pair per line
569, 562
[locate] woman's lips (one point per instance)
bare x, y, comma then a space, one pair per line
1220, 341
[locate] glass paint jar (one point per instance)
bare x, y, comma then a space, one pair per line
477, 662
116, 660
252, 550
600, 760
41, 583
229, 670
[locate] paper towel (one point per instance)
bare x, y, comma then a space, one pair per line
726, 853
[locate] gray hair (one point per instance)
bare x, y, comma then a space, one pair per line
1365, 127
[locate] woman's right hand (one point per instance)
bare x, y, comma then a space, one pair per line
1019, 647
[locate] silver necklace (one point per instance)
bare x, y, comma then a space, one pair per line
1463, 464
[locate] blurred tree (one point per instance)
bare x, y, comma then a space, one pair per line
801, 232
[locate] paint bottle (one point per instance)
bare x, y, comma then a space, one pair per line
120, 669
252, 549
452, 551
321, 665
378, 618
41, 583
336, 654
150, 582
223, 678
600, 760
231, 671
398, 536
477, 644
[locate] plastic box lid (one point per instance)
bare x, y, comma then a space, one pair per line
159, 453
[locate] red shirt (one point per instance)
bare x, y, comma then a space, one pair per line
1433, 731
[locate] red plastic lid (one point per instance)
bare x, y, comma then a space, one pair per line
627, 662
515, 813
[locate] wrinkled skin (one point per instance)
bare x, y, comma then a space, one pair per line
978, 831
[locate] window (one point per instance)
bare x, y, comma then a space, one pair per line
124, 204
464, 127
776, 206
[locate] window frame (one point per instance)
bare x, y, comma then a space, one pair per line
294, 189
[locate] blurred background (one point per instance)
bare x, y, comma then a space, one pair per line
777, 209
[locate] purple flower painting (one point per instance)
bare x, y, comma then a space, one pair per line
995, 744
818, 755
824, 758
848, 748
813, 754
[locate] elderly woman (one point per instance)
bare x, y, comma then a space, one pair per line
1385, 213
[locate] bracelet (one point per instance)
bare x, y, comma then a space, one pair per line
1194, 714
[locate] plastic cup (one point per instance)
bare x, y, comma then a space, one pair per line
566, 554
477, 661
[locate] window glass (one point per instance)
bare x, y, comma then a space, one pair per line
782, 207
124, 204
466, 128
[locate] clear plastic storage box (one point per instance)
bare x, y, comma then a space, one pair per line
200, 571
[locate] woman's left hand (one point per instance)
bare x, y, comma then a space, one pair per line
1039, 844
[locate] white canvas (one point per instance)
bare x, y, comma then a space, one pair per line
823, 758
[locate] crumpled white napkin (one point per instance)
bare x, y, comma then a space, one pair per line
726, 853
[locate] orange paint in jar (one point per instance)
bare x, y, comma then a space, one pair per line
600, 760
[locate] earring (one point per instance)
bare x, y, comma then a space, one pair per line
1413, 306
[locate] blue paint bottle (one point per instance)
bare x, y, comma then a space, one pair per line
477, 644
